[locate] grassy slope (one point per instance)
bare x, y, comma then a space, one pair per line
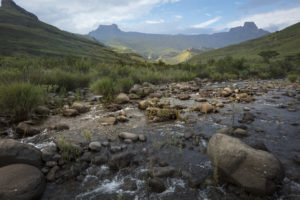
23, 36
286, 42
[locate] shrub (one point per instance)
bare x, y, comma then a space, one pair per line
18, 99
293, 77
124, 84
105, 87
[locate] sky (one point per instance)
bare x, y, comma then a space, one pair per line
164, 16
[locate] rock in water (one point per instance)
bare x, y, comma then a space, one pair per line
12, 152
122, 99
131, 136
120, 160
21, 182
254, 170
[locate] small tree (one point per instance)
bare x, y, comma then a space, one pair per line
267, 55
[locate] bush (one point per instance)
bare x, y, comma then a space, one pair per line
124, 84
105, 87
18, 99
293, 77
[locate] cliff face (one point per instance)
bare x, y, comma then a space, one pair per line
10, 4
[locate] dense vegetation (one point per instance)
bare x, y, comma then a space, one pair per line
23, 82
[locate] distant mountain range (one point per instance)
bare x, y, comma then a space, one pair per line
157, 46
22, 34
286, 42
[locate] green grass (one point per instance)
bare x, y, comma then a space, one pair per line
18, 99
285, 42
21, 35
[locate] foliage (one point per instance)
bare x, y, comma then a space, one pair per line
293, 77
267, 55
18, 99
105, 87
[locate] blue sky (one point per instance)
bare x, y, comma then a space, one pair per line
165, 16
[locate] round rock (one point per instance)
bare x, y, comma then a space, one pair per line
21, 182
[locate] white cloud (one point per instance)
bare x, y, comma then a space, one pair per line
155, 21
207, 23
178, 16
83, 16
278, 18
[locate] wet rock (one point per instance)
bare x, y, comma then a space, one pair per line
101, 159
133, 96
50, 164
206, 108
87, 157
163, 164
129, 185
70, 113
108, 121
113, 107
142, 138
241, 132
296, 159
120, 160
254, 170
12, 152
42, 111
220, 105
51, 174
247, 118
157, 185
128, 141
135, 89
155, 95
184, 97
244, 97
48, 152
259, 145
80, 107
201, 100
122, 99
187, 135
95, 146
122, 119
115, 149
143, 105
25, 129
131, 136
226, 92
21, 182
163, 171
60, 127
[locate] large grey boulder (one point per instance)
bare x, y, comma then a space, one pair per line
254, 170
12, 152
21, 182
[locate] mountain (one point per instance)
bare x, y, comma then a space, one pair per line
22, 34
286, 42
154, 46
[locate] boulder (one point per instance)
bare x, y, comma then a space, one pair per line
163, 171
206, 108
12, 152
240, 132
122, 99
201, 100
95, 146
70, 113
143, 105
80, 107
121, 160
42, 111
184, 97
157, 185
106, 121
21, 182
131, 136
254, 170
25, 129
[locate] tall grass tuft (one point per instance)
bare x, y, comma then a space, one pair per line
18, 99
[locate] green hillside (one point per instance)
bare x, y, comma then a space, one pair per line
285, 42
26, 36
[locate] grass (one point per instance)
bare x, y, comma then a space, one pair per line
18, 99
21, 35
293, 77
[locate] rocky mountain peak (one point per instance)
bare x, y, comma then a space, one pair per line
109, 28
12, 5
250, 25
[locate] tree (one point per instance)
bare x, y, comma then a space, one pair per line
267, 55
